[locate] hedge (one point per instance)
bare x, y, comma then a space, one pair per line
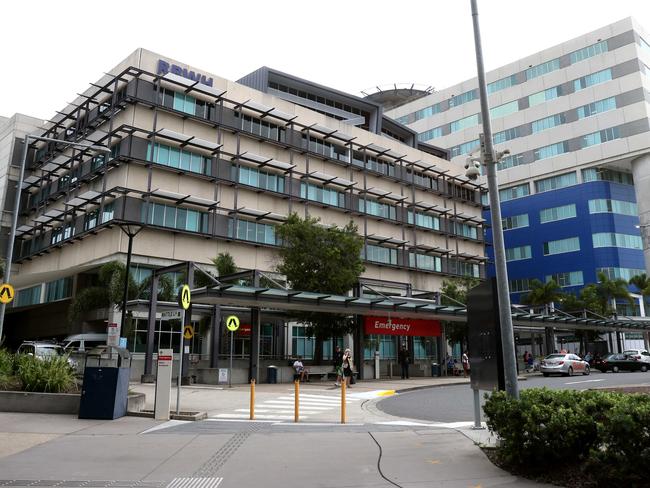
607, 433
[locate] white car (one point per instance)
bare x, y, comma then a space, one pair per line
638, 354
564, 364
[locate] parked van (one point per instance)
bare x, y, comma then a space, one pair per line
83, 342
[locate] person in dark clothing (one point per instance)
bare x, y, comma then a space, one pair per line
338, 365
404, 360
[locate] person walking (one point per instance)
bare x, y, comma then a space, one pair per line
338, 365
403, 358
465, 361
348, 367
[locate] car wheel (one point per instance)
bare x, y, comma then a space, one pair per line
615, 369
587, 371
644, 368
546, 375
570, 372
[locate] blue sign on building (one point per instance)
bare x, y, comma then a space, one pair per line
164, 67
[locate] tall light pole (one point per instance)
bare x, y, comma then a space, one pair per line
14, 221
131, 230
490, 160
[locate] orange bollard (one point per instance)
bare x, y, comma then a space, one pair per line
252, 406
343, 385
296, 397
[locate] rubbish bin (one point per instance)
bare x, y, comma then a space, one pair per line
105, 390
272, 374
435, 369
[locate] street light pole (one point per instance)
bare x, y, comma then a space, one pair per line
131, 230
488, 155
19, 187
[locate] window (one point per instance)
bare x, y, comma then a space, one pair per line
542, 69
510, 161
179, 158
502, 84
551, 151
58, 290
612, 239
184, 103
602, 174
556, 182
603, 205
90, 219
259, 179
519, 285
644, 44
301, 344
544, 96
572, 278
588, 52
625, 273
518, 253
463, 98
28, 296
596, 107
465, 230
557, 213
464, 123
380, 166
424, 220
261, 128
317, 193
515, 222
252, 232
108, 211
430, 134
599, 137
324, 148
425, 261
463, 268
504, 135
464, 148
378, 209
174, 217
503, 110
592, 79
513, 192
547, 123
380, 254
421, 179
561, 246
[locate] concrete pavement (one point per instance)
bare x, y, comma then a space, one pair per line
371, 450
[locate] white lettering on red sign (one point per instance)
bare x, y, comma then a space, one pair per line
390, 325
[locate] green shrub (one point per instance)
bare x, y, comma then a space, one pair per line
52, 375
608, 433
6, 363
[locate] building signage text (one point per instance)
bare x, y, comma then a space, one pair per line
164, 67
400, 326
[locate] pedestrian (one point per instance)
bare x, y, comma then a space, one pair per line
348, 367
404, 360
525, 358
338, 365
301, 371
465, 361
531, 362
450, 365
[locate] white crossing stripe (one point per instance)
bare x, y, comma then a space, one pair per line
195, 483
245, 416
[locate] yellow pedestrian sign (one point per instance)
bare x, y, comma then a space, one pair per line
6, 293
232, 323
184, 297
188, 332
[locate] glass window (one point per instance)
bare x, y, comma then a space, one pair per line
599, 137
588, 52
561, 246
556, 182
551, 150
544, 96
602, 174
253, 232
464, 148
503, 110
424, 220
504, 135
430, 134
179, 158
463, 268
596, 107
464, 123
604, 205
373, 207
174, 217
625, 273
302, 345
184, 103
513, 192
381, 254
58, 289
465, 230
519, 285
518, 253
557, 213
592, 79
515, 222
28, 296
542, 69
572, 278
463, 98
108, 211
510, 161
260, 179
425, 261
547, 123
612, 239
502, 84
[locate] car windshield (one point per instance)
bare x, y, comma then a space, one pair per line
49, 351
631, 352
555, 356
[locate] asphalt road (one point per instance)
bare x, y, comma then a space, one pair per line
455, 403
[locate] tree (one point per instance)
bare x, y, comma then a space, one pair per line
542, 294
642, 282
609, 290
225, 264
322, 260
453, 292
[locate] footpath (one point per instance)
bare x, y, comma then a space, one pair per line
372, 449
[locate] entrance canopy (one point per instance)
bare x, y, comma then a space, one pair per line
388, 306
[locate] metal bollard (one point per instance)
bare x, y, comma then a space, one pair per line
296, 398
343, 385
252, 406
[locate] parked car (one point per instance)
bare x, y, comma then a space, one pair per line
565, 364
83, 342
43, 350
620, 362
638, 354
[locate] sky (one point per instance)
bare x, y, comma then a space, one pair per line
50, 51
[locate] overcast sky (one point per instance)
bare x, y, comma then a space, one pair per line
50, 50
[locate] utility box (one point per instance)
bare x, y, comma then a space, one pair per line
272, 374
105, 390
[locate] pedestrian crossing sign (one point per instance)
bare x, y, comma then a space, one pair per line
232, 323
7, 293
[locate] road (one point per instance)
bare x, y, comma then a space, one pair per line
455, 403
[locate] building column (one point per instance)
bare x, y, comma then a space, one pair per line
254, 359
641, 174
549, 340
148, 377
215, 339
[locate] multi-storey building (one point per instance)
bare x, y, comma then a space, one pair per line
206, 166
576, 181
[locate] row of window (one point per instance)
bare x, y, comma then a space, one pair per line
174, 217
175, 157
54, 290
575, 278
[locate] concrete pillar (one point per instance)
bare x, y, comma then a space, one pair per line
549, 340
215, 336
254, 359
641, 173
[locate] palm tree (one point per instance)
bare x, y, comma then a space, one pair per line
609, 290
642, 282
542, 294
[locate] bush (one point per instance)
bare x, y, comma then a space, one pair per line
6, 363
609, 433
53, 375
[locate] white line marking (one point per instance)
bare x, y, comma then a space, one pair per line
166, 425
211, 419
317, 424
583, 381
272, 417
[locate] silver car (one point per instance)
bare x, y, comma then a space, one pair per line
564, 364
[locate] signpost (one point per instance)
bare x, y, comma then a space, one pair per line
7, 293
232, 324
163, 384
184, 301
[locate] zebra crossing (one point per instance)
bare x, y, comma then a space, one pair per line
282, 407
